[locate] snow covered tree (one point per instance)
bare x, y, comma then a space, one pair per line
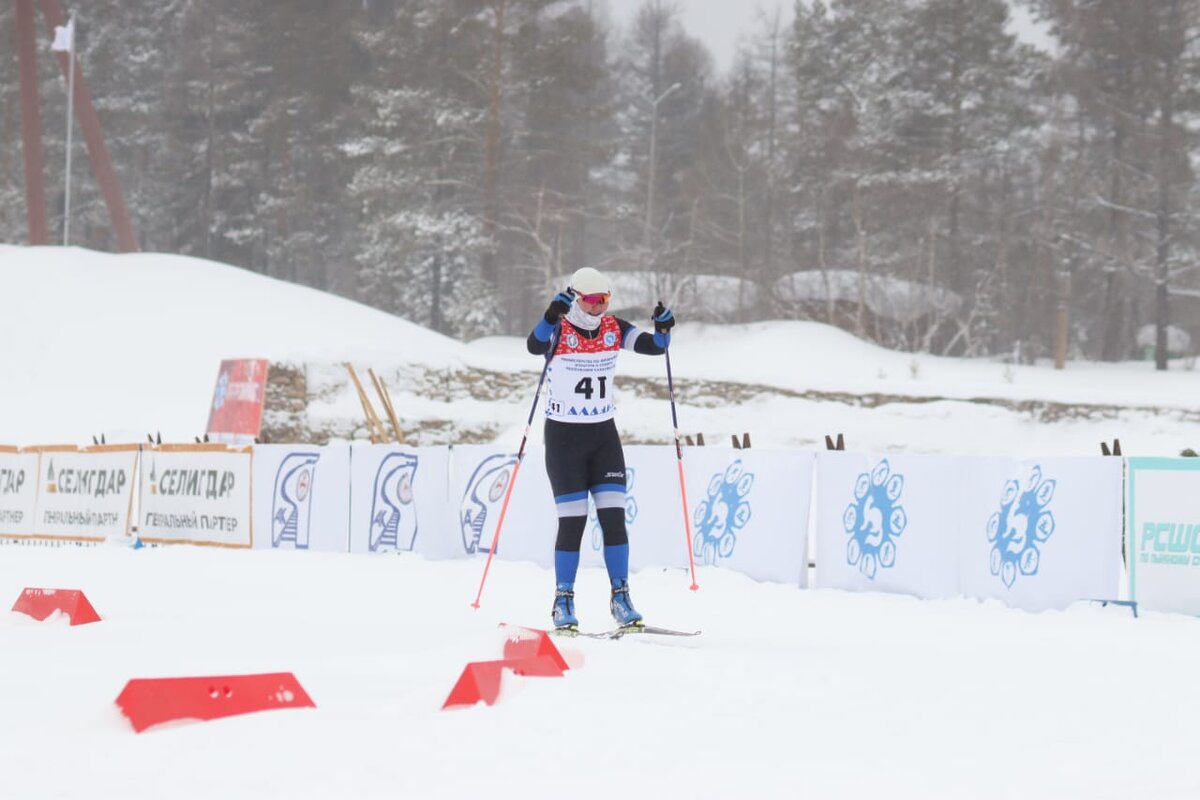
1130, 72
664, 93
13, 222
561, 109
409, 142
216, 94
906, 113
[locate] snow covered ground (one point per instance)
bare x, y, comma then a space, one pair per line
788, 693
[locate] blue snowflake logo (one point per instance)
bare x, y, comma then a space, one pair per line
875, 519
631, 511
722, 514
1020, 527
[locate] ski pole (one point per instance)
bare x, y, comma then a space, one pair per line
687, 526
517, 467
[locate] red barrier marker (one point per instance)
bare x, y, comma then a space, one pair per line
480, 680
151, 701
41, 603
527, 643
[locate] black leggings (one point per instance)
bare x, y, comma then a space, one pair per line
583, 457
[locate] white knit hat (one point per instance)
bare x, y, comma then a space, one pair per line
590, 281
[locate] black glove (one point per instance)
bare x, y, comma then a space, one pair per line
560, 305
664, 320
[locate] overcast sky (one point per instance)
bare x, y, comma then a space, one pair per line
719, 23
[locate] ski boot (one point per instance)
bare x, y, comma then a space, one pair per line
622, 607
563, 612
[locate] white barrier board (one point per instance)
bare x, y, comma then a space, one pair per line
397, 498
1042, 533
18, 491
1163, 537
479, 479
888, 523
85, 495
749, 511
196, 495
302, 497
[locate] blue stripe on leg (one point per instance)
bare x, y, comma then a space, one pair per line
616, 561
566, 565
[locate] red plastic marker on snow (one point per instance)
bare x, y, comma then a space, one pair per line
480, 680
533, 643
41, 603
152, 701
527, 651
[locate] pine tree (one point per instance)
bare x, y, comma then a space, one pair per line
13, 221
410, 143
664, 89
218, 88
124, 61
557, 71
1128, 72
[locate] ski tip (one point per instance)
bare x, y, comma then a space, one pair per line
695, 587
475, 606
648, 629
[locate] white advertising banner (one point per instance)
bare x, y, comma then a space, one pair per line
888, 523
748, 510
479, 478
302, 497
85, 495
196, 494
1163, 538
398, 499
1041, 533
18, 491
653, 511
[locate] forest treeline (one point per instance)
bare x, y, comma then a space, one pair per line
445, 159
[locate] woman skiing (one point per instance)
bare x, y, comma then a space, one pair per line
583, 449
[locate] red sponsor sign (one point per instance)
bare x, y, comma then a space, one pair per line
237, 404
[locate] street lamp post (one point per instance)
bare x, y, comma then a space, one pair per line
646, 230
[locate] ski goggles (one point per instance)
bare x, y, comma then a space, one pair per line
595, 299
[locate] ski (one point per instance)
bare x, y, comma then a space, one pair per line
617, 633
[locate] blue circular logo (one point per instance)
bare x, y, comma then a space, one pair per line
720, 517
1020, 527
874, 520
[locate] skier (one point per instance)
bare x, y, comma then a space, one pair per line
583, 449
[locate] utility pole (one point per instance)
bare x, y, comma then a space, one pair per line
31, 124
89, 124
1062, 318
64, 42
649, 225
